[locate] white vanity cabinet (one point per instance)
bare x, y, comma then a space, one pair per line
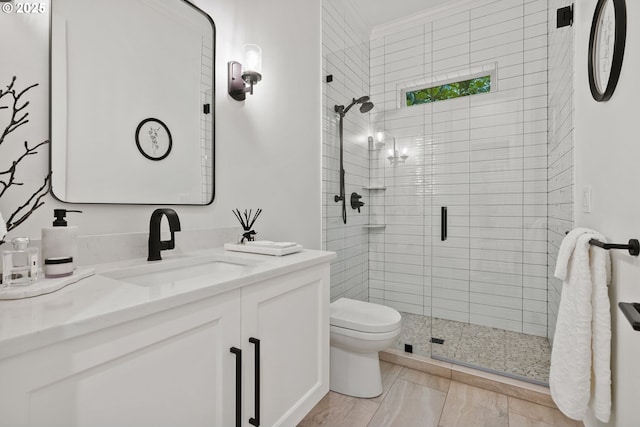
174, 367
171, 368
290, 318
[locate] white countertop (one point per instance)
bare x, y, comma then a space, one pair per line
100, 301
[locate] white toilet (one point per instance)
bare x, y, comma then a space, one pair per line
358, 331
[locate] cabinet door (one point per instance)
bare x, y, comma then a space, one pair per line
290, 317
172, 368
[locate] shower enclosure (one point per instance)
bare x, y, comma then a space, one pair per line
465, 189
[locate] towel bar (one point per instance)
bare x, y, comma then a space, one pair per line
633, 246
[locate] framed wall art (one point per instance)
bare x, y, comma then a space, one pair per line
153, 139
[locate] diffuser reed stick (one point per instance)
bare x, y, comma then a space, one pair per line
247, 221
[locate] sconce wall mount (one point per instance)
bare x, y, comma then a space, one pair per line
240, 83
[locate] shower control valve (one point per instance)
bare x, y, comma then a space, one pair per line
355, 201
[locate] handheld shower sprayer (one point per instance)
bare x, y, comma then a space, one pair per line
341, 110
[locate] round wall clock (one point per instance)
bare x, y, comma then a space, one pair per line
153, 139
606, 47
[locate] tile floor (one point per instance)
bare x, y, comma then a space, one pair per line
417, 399
524, 356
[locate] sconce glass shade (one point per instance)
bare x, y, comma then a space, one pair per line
252, 59
252, 67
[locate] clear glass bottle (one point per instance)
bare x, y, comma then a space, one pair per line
20, 265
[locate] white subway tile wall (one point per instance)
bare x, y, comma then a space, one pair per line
561, 130
345, 39
482, 156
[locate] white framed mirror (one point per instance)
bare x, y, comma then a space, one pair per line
132, 102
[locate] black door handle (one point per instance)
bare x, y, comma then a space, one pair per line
443, 223
238, 354
256, 421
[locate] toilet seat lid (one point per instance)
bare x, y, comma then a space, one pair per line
364, 316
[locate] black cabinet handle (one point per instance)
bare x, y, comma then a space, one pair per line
256, 421
443, 223
238, 354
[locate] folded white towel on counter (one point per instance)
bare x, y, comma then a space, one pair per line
580, 374
3, 227
262, 250
270, 244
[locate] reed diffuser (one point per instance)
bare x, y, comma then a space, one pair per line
247, 222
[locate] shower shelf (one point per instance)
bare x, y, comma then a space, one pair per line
375, 187
374, 225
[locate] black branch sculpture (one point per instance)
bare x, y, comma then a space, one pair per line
11, 98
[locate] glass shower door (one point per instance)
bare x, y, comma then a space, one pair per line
463, 254
450, 231
488, 259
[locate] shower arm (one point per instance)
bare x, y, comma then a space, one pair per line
347, 108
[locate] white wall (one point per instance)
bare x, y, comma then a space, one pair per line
607, 152
268, 149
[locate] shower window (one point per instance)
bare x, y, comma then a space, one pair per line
448, 91
446, 85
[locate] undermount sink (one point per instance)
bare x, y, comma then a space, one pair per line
183, 271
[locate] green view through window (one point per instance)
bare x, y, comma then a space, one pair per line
449, 91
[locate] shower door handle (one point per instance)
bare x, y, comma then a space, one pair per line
443, 223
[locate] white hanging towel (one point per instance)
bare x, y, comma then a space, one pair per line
580, 375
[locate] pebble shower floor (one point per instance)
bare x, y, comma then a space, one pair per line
520, 355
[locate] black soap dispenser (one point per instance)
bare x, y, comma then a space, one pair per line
60, 240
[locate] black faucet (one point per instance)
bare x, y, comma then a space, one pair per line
155, 245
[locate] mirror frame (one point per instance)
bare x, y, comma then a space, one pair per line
618, 49
212, 111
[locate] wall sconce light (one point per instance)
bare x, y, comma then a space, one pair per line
394, 157
249, 74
